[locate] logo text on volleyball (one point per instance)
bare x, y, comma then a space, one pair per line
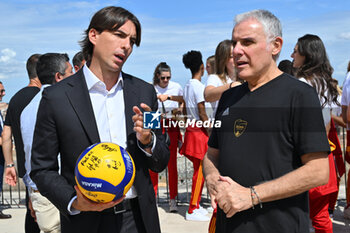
93, 185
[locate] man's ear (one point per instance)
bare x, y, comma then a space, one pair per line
58, 77
76, 68
202, 67
277, 45
93, 34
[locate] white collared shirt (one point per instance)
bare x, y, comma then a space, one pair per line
109, 111
1, 121
28, 120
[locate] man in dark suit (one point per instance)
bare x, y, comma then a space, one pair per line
100, 103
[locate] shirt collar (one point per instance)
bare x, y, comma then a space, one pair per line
44, 86
92, 80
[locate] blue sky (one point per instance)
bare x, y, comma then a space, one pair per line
169, 29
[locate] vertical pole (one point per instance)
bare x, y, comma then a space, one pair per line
19, 192
167, 186
187, 198
344, 149
10, 195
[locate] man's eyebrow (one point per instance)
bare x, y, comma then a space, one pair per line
120, 31
248, 39
244, 38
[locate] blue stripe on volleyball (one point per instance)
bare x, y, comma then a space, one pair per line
84, 152
95, 184
128, 173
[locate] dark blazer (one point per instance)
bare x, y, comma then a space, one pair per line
66, 125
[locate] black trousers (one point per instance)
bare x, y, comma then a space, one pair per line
30, 225
127, 222
105, 222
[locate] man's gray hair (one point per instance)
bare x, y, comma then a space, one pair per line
271, 24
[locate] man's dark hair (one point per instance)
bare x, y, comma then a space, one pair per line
110, 19
78, 58
193, 61
49, 64
286, 66
31, 65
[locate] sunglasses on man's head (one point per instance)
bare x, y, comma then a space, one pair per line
163, 78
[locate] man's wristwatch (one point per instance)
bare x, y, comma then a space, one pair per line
149, 145
10, 165
169, 97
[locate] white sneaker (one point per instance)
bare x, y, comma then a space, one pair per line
201, 210
173, 207
210, 209
347, 213
196, 216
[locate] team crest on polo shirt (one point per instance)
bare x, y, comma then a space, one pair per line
239, 127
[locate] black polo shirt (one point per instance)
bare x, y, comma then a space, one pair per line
263, 135
17, 103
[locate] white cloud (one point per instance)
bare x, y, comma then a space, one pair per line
10, 66
345, 35
7, 54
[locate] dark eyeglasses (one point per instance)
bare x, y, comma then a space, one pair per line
163, 78
2, 91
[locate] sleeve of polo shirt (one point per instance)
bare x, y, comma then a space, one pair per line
308, 129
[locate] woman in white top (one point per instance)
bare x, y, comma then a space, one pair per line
345, 102
313, 67
169, 95
196, 138
347, 77
210, 65
224, 76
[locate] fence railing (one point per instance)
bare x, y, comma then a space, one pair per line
14, 196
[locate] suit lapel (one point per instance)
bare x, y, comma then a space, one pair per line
79, 98
131, 98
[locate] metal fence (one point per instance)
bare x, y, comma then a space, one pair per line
14, 196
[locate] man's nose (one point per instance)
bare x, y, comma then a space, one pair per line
237, 49
126, 43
